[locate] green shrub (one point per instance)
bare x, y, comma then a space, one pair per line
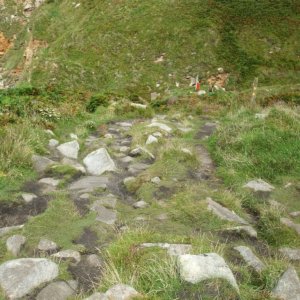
96, 101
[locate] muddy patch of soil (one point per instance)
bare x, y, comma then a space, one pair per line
5, 44
206, 130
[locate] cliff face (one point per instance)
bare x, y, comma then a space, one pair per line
132, 45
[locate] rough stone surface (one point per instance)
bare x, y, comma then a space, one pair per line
89, 183
73, 136
53, 143
97, 296
151, 139
259, 187
128, 179
155, 180
250, 258
288, 286
161, 126
249, 230
5, 230
126, 159
69, 149
124, 149
291, 254
15, 243
59, 290
196, 268
172, 249
122, 292
68, 255
41, 163
49, 181
137, 167
104, 215
291, 224
224, 213
99, 162
295, 214
140, 204
109, 201
74, 164
46, 245
28, 197
21, 276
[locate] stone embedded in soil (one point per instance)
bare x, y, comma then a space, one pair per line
108, 136
122, 292
137, 167
290, 224
124, 149
50, 132
249, 230
5, 230
69, 149
49, 181
172, 249
129, 179
155, 180
136, 152
28, 197
124, 124
76, 165
259, 187
73, 136
151, 139
14, 244
19, 277
89, 183
41, 163
140, 204
53, 143
47, 245
58, 290
196, 268
250, 258
295, 214
161, 126
109, 201
104, 215
224, 213
98, 162
288, 286
97, 296
126, 159
291, 254
68, 254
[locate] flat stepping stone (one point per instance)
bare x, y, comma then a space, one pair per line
124, 124
59, 290
224, 213
197, 268
287, 222
69, 149
161, 126
5, 230
28, 198
41, 163
15, 243
76, 165
98, 162
259, 187
172, 249
109, 201
104, 215
137, 167
50, 181
250, 258
89, 183
68, 255
291, 254
20, 277
288, 286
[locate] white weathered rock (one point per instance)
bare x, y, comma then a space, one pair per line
15, 243
250, 258
76, 165
124, 149
58, 290
261, 116
291, 254
89, 184
41, 163
287, 222
104, 215
224, 213
19, 277
108, 136
201, 92
196, 268
27, 197
99, 162
151, 139
49, 181
53, 143
186, 151
47, 245
73, 136
122, 292
50, 132
161, 126
259, 187
249, 230
138, 105
155, 180
69, 149
172, 249
5, 230
68, 254
129, 179
288, 286
140, 204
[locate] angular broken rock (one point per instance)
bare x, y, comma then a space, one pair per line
69, 149
290, 224
288, 286
122, 292
58, 290
259, 187
21, 276
291, 254
151, 139
104, 215
172, 249
249, 230
99, 162
155, 180
47, 245
89, 183
250, 258
161, 126
196, 268
15, 243
74, 164
140, 204
68, 255
28, 197
41, 163
224, 213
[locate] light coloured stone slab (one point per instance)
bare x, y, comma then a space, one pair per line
69, 149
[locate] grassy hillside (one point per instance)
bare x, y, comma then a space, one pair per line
104, 45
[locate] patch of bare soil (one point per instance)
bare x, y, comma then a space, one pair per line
5, 44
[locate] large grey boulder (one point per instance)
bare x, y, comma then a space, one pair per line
59, 290
291, 254
69, 149
15, 243
99, 162
41, 163
196, 268
250, 258
288, 286
121, 292
224, 213
21, 276
89, 183
259, 187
